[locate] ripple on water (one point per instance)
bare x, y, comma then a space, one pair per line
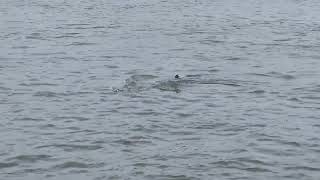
132, 142
281, 75
170, 177
209, 125
8, 165
257, 92
303, 168
30, 158
38, 84
76, 164
228, 164
246, 105
72, 147
81, 44
29, 119
68, 118
48, 94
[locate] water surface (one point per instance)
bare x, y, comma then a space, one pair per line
87, 89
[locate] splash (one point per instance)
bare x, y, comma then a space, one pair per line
139, 83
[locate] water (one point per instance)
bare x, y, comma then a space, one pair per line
87, 89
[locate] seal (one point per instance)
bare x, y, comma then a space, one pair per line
177, 76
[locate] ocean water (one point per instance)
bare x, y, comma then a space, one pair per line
87, 89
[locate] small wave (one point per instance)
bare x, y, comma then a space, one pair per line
28, 119
36, 36
273, 152
75, 164
231, 58
78, 118
22, 47
98, 27
171, 177
48, 53
294, 99
32, 170
257, 92
66, 36
132, 142
308, 168
311, 97
284, 40
220, 82
5, 88
289, 143
287, 77
254, 162
81, 44
141, 128
228, 164
142, 164
46, 94
174, 86
259, 74
148, 113
211, 42
184, 115
70, 147
38, 84
111, 66
281, 75
210, 126
77, 24
256, 169
51, 94
8, 165
184, 133
142, 77
30, 158
275, 75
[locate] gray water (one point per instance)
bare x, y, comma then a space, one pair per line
87, 89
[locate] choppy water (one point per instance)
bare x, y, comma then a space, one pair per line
87, 89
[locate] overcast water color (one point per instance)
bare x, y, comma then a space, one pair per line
87, 89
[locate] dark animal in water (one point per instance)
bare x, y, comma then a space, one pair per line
137, 83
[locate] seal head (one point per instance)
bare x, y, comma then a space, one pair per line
177, 76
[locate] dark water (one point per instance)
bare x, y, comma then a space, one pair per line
87, 89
